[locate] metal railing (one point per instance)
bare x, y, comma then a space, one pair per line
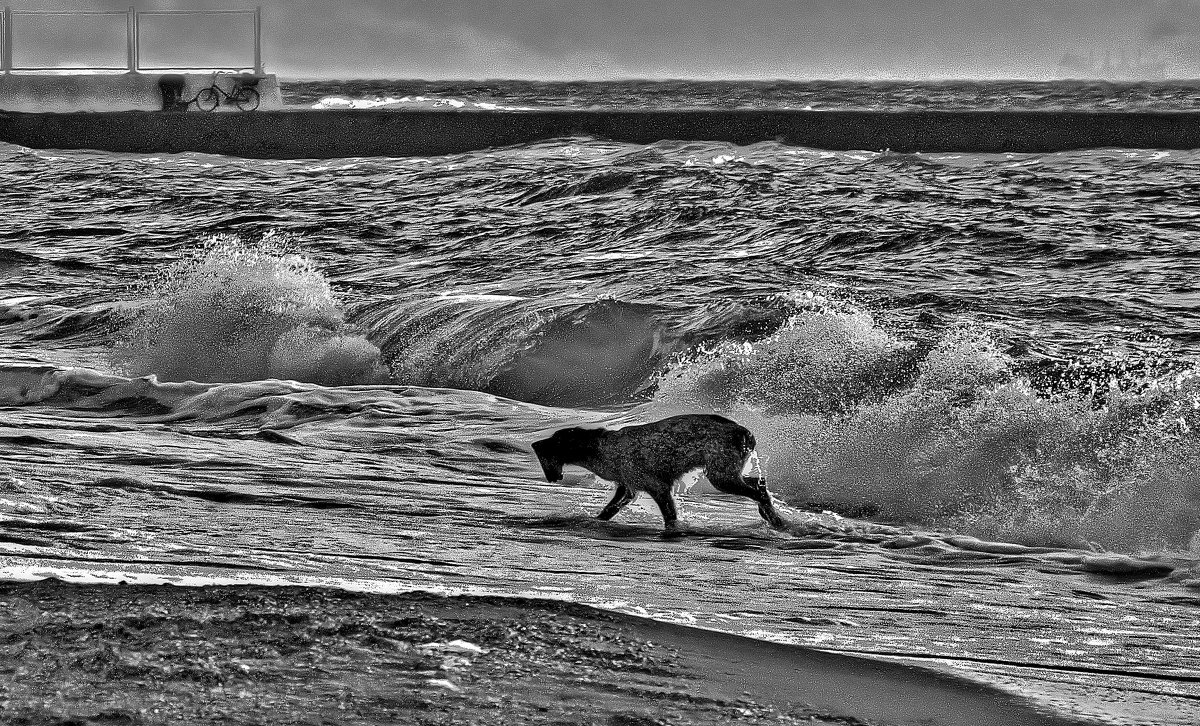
133, 39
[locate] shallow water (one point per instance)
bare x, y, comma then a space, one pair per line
943, 346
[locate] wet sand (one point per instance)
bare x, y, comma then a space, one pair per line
131, 654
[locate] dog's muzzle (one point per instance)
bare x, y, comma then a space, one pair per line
552, 470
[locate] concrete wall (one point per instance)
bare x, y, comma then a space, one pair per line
65, 93
300, 134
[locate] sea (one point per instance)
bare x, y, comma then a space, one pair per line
972, 378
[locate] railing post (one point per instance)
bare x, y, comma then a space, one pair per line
6, 40
258, 66
131, 40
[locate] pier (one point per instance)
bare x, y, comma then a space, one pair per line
137, 82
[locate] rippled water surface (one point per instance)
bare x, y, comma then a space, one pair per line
979, 368
1174, 95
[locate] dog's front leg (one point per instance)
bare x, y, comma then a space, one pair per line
624, 495
767, 510
751, 487
766, 505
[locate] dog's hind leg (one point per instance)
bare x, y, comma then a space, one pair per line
624, 495
729, 479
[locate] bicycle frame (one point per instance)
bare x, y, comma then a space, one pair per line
244, 95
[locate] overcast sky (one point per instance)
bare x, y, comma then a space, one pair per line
563, 39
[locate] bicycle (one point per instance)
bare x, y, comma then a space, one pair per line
244, 95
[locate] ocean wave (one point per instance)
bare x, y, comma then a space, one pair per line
252, 408
551, 351
238, 312
603, 183
548, 351
949, 432
89, 325
414, 101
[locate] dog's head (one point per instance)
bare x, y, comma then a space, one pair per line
566, 446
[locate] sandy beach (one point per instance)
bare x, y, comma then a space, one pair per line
132, 654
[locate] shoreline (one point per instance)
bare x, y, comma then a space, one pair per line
156, 653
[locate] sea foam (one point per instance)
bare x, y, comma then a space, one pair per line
948, 432
239, 312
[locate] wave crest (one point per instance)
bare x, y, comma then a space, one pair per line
557, 352
235, 312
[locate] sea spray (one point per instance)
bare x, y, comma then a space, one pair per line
950, 433
238, 312
821, 362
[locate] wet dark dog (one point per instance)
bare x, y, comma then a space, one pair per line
652, 457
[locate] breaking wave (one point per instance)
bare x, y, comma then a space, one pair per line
235, 312
558, 352
551, 351
951, 432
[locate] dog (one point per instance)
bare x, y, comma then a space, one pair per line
652, 457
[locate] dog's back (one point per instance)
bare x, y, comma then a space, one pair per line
674, 446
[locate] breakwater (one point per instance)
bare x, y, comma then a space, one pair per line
326, 133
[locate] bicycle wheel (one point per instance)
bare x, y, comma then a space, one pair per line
247, 100
207, 99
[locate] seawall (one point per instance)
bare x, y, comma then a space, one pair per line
70, 92
310, 133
